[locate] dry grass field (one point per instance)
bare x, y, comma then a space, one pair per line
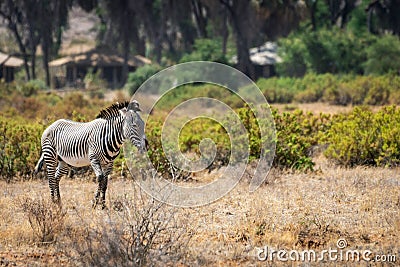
290, 211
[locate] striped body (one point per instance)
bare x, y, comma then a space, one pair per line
97, 143
74, 141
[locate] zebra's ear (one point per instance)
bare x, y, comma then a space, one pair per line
123, 111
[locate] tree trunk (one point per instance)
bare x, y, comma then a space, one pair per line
125, 67
239, 25
45, 47
140, 46
201, 21
33, 64
22, 48
313, 9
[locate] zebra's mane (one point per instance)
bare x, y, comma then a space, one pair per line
112, 111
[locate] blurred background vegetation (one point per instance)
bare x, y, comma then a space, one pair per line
339, 52
313, 36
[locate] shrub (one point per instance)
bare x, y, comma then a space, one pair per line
326, 50
365, 138
297, 132
135, 232
45, 218
93, 80
378, 92
337, 96
277, 90
32, 87
138, 77
19, 147
383, 55
312, 87
206, 50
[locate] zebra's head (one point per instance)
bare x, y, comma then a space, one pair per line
133, 127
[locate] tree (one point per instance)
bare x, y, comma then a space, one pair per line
240, 13
35, 22
387, 15
53, 16
13, 14
122, 18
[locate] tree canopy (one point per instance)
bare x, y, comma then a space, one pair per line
170, 31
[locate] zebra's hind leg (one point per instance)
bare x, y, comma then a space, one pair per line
50, 158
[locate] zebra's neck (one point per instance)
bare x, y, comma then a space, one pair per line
115, 135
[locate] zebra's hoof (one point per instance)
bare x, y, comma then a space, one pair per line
96, 203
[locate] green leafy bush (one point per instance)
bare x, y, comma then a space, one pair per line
138, 77
383, 55
19, 147
297, 133
278, 90
32, 87
206, 50
326, 50
365, 138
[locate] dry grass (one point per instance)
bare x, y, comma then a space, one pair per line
292, 211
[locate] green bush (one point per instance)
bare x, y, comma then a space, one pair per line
137, 78
19, 147
278, 90
365, 138
206, 50
383, 55
312, 87
326, 50
32, 87
297, 133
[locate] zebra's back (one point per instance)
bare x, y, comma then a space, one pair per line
70, 140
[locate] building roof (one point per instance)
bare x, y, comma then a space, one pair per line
10, 61
267, 54
99, 57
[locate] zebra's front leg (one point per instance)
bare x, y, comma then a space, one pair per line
103, 185
101, 180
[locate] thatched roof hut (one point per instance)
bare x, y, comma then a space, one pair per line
71, 69
8, 65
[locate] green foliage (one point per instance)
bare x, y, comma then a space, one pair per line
322, 51
383, 55
189, 91
32, 87
19, 147
333, 89
206, 50
365, 138
292, 51
137, 78
297, 132
278, 90
359, 138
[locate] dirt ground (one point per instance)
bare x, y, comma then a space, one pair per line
289, 212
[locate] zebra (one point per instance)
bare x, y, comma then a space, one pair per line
97, 143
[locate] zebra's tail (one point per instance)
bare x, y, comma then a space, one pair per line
39, 165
